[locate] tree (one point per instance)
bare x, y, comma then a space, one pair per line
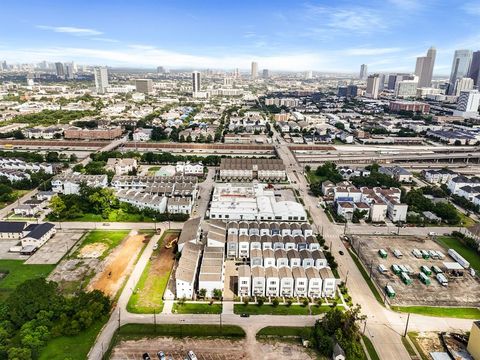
340, 125
275, 302
305, 302
52, 157
260, 301
217, 293
202, 293
57, 206
16, 353
6, 193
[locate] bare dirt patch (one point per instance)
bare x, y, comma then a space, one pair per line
92, 251
117, 265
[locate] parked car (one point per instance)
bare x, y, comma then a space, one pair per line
161, 355
146, 356
340, 252
192, 356
244, 315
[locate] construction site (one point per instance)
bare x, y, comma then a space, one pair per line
404, 264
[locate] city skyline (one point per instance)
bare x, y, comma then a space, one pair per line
321, 36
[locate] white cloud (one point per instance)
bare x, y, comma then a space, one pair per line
370, 51
358, 19
472, 8
71, 30
406, 4
105, 39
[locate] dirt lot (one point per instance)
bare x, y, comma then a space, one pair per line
161, 263
117, 265
206, 349
55, 248
461, 291
430, 342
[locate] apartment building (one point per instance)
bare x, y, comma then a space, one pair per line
20, 165
70, 183
244, 280
186, 271
211, 275
121, 166
189, 169
440, 176
74, 132
241, 169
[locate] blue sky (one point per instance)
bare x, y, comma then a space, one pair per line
281, 35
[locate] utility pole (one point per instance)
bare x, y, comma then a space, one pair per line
406, 325
118, 318
346, 278
364, 326
155, 321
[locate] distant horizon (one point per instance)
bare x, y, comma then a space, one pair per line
320, 35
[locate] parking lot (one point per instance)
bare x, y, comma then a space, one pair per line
461, 290
210, 349
5, 245
205, 349
55, 248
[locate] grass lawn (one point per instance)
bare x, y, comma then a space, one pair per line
135, 331
72, 347
285, 331
369, 281
115, 216
316, 310
413, 336
466, 220
18, 272
267, 309
16, 194
460, 312
408, 347
449, 242
156, 285
190, 308
111, 238
313, 178
370, 348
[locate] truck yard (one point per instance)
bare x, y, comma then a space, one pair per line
418, 269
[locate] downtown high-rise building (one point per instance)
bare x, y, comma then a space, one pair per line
373, 86
363, 71
474, 72
196, 82
101, 79
69, 71
265, 74
160, 70
60, 70
468, 103
424, 68
254, 70
460, 67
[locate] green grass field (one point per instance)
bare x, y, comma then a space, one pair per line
470, 255
72, 347
111, 238
313, 178
18, 272
190, 308
114, 217
460, 312
466, 220
285, 331
370, 348
268, 309
135, 331
154, 293
408, 347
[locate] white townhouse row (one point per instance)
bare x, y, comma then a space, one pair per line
186, 186
440, 176
186, 271
20, 165
377, 203
268, 228
285, 281
70, 183
468, 188
14, 175
31, 236
212, 274
121, 166
189, 169
249, 169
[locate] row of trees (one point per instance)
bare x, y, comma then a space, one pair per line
53, 117
419, 203
103, 202
36, 312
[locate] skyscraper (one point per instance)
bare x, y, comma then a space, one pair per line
474, 72
460, 66
265, 73
101, 79
60, 70
254, 70
69, 71
196, 82
160, 70
424, 68
363, 71
373, 86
